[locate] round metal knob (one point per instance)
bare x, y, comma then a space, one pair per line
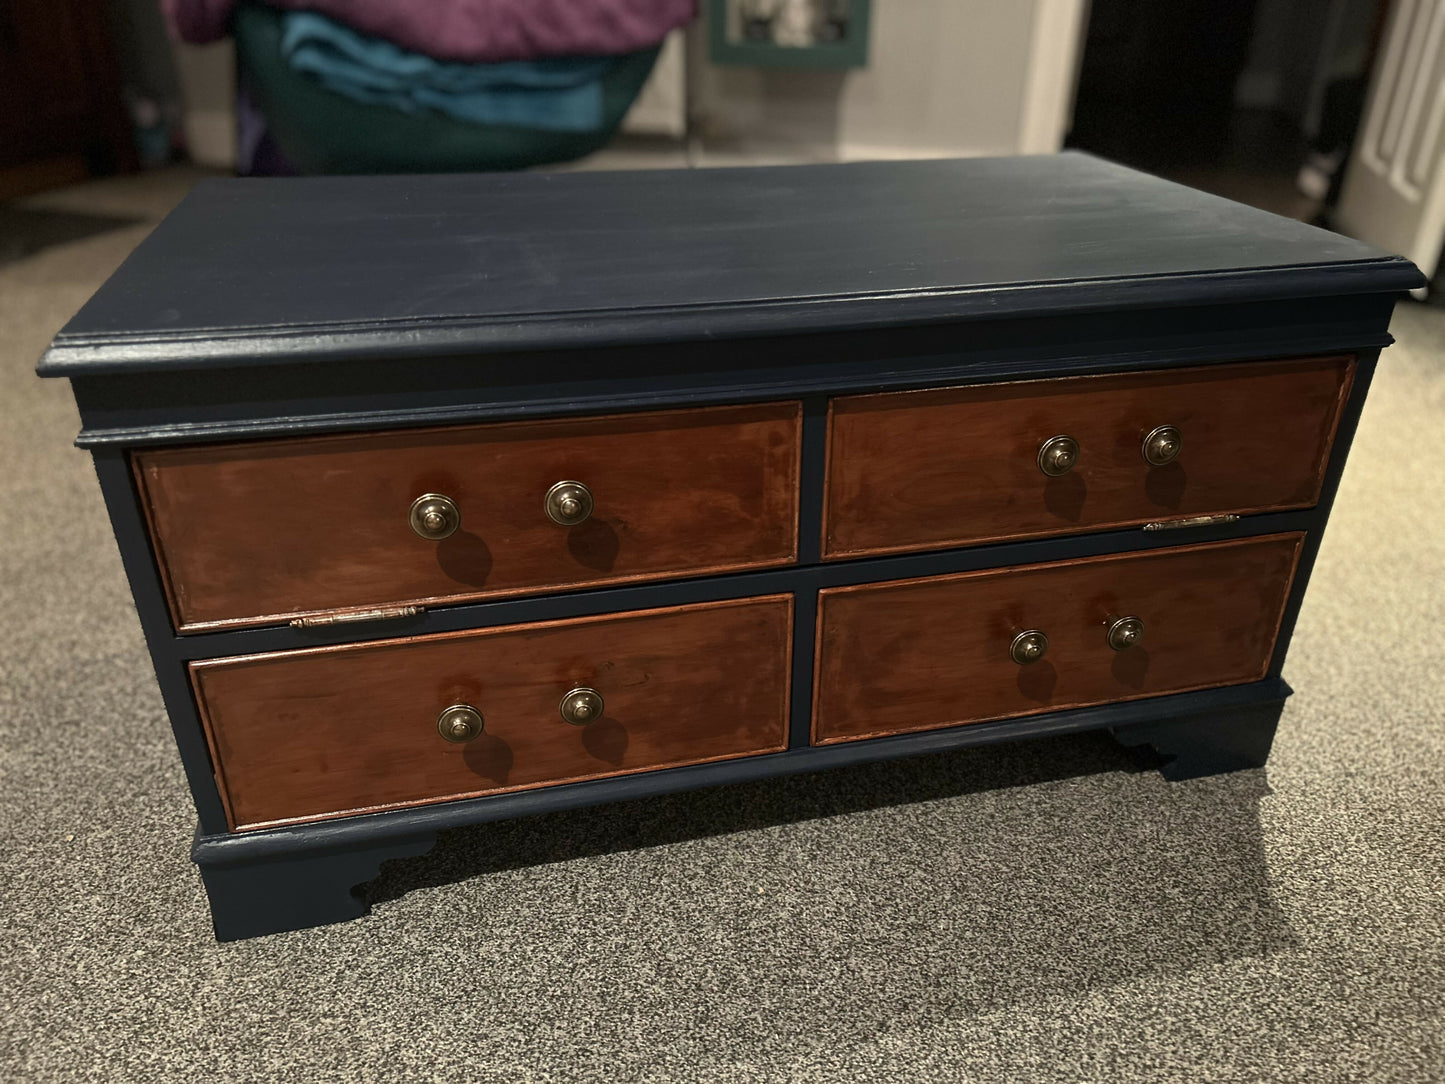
434, 516
1162, 445
568, 503
582, 706
460, 723
1125, 632
1028, 646
1057, 455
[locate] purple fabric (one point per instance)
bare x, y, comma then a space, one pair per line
480, 31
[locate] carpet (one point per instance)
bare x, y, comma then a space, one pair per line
1046, 911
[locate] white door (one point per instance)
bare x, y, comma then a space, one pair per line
1394, 192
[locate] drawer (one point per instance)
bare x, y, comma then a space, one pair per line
261, 532
928, 653
918, 470
311, 734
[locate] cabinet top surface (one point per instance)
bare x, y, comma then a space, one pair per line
252, 271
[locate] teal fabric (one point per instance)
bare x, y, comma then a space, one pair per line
562, 94
321, 131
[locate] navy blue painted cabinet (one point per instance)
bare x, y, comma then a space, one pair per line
451, 499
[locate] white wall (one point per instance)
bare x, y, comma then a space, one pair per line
944, 78
208, 92
661, 108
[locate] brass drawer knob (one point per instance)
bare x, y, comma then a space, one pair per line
460, 723
582, 706
434, 516
568, 503
1162, 445
1125, 632
1028, 646
1057, 455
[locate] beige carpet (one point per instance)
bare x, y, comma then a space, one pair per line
1034, 913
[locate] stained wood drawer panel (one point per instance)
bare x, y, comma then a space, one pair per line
928, 653
256, 533
918, 470
320, 733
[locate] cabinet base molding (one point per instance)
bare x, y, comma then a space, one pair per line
293, 878
1209, 743
279, 889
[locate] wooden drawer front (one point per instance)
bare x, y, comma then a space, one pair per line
929, 653
311, 734
256, 533
918, 470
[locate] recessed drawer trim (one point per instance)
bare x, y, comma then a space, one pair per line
264, 532
934, 652
327, 732
930, 469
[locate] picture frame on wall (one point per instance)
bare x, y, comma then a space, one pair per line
789, 33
